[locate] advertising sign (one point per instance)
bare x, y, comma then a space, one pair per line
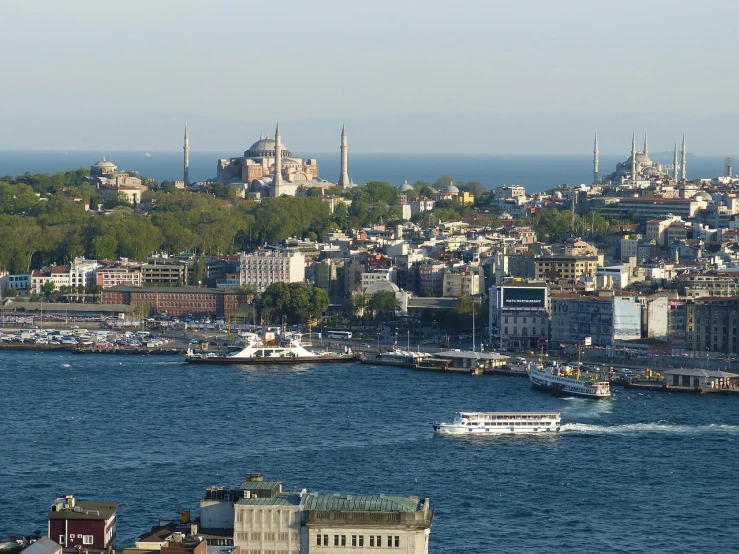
525, 298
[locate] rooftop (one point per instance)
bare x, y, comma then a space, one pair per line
351, 503
44, 545
282, 499
87, 509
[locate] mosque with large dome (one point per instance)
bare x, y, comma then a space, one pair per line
638, 166
256, 171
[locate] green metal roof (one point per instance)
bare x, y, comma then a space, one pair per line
259, 485
351, 503
279, 500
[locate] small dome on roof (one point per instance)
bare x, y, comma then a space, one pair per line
104, 163
703, 195
451, 189
405, 187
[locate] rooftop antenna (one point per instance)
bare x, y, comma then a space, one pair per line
729, 165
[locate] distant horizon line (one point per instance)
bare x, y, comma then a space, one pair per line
588, 155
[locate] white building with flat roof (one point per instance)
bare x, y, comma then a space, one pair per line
261, 269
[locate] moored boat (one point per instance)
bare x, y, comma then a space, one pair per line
501, 423
563, 381
288, 350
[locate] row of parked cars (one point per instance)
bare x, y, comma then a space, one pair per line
83, 337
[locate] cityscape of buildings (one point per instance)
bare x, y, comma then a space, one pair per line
665, 273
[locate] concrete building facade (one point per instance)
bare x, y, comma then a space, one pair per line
262, 269
519, 315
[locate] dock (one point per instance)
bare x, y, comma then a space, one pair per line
674, 388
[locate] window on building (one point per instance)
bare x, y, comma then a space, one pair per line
325, 540
372, 540
378, 541
87, 539
397, 541
361, 540
336, 540
354, 540
343, 540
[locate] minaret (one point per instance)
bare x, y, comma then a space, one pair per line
674, 163
277, 183
633, 157
343, 174
595, 159
646, 147
186, 148
683, 161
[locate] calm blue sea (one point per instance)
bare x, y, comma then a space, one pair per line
641, 472
535, 172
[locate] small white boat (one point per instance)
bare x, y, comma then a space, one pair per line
501, 423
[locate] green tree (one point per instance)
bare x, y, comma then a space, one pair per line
427, 291
296, 302
384, 303
48, 287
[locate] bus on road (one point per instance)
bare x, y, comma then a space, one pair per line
343, 335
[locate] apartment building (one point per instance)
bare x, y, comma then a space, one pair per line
711, 325
553, 268
465, 282
118, 274
263, 268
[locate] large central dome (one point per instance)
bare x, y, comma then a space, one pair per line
265, 148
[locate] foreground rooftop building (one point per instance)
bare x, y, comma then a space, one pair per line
266, 519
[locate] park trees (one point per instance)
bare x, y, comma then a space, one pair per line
295, 302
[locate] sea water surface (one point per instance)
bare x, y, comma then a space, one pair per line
641, 472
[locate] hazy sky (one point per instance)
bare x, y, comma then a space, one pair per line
253, 62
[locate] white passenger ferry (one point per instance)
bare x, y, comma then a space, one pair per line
287, 350
564, 381
500, 423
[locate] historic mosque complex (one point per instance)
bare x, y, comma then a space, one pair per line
639, 168
255, 173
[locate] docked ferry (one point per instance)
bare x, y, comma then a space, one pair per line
563, 381
287, 350
501, 423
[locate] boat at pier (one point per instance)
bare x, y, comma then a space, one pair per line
501, 423
564, 381
288, 349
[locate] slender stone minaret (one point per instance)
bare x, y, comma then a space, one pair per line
674, 163
278, 184
186, 148
595, 159
633, 157
683, 161
646, 147
344, 175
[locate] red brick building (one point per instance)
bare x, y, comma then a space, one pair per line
83, 523
176, 301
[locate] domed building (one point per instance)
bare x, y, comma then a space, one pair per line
256, 171
639, 163
111, 183
103, 168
